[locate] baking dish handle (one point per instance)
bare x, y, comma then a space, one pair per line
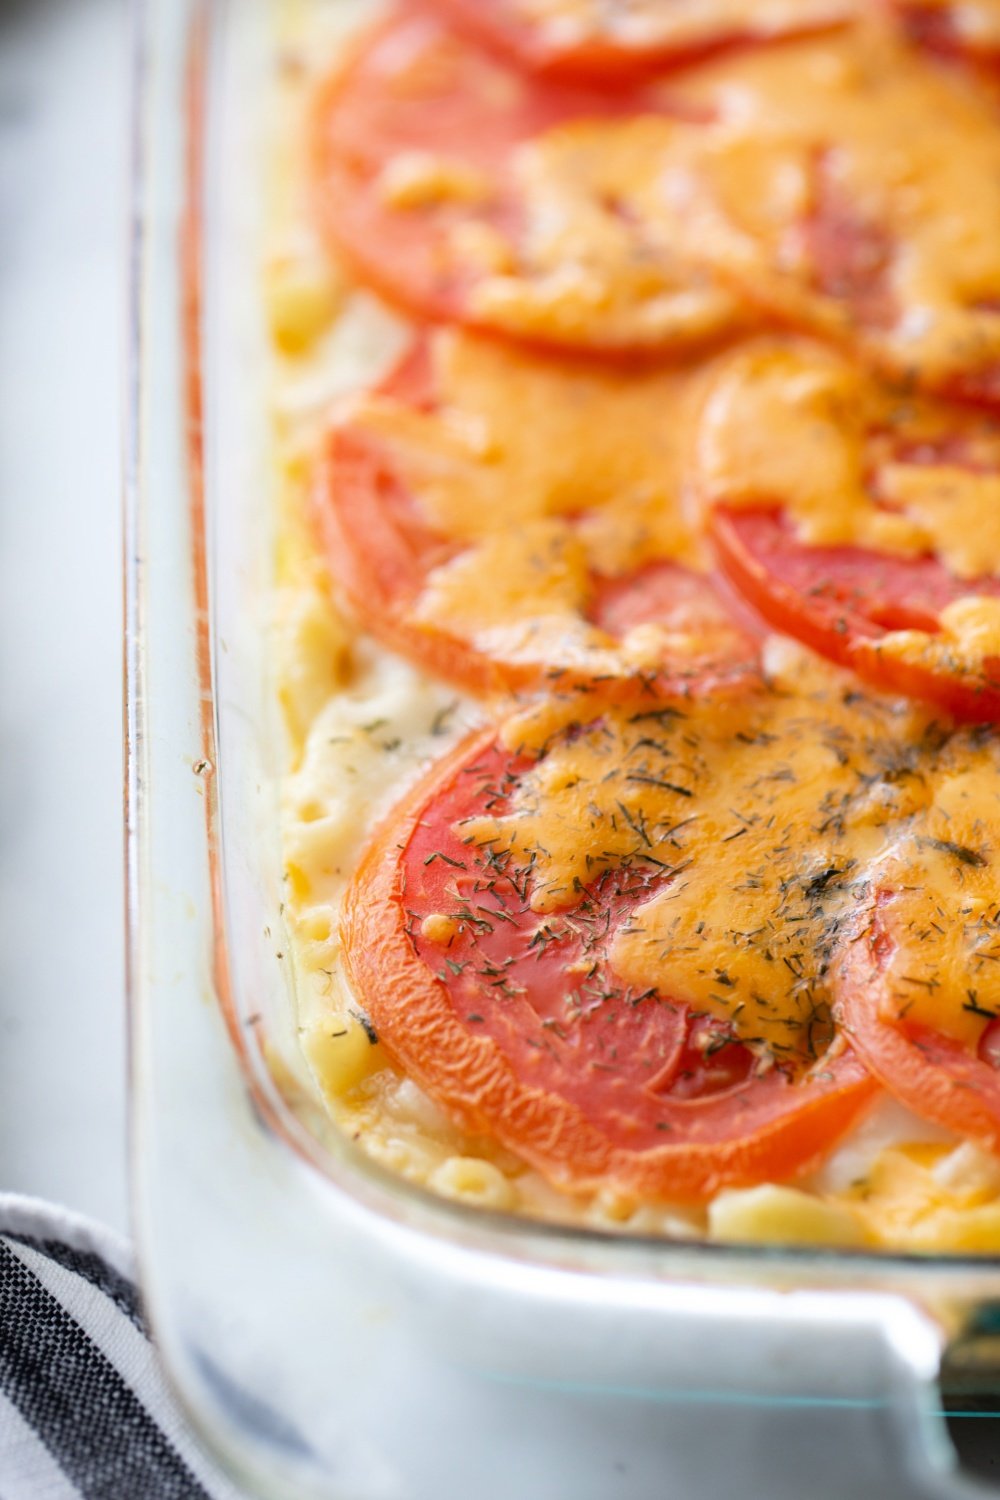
825, 1393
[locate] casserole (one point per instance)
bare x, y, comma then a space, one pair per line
330, 1329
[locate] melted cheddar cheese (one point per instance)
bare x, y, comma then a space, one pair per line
513, 439
899, 157
594, 247
851, 461
682, 23
545, 473
968, 635
561, 239
777, 820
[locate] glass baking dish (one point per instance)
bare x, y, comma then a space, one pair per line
330, 1330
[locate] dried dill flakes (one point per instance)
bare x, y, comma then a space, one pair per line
366, 1026
965, 856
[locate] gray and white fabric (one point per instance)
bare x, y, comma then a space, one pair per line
85, 1413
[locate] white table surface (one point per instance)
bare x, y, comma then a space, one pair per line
63, 191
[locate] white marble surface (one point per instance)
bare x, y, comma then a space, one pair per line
63, 171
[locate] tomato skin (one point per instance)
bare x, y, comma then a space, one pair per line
846, 620
380, 552
579, 1129
937, 31
850, 255
599, 60
376, 563
989, 1044
930, 1073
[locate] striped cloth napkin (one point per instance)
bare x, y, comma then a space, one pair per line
84, 1408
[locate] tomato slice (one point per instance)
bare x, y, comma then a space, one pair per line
512, 523
969, 27
935, 1075
861, 522
584, 39
788, 196
463, 190
845, 601
516, 1022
